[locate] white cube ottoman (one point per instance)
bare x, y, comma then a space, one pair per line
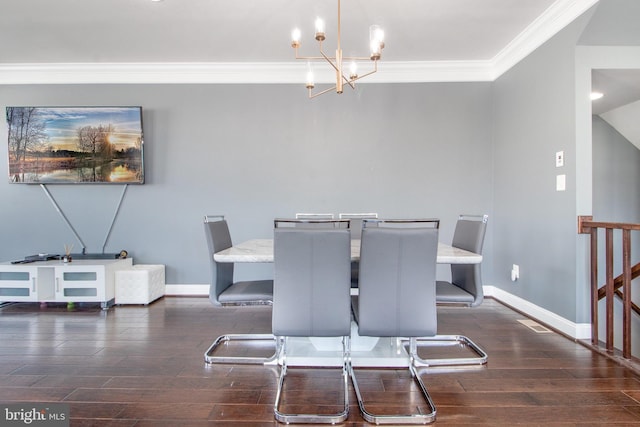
141, 284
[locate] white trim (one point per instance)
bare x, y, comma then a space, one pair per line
187, 290
232, 73
574, 330
554, 19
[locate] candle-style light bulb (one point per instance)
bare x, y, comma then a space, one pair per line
319, 29
376, 33
295, 37
310, 84
375, 50
353, 70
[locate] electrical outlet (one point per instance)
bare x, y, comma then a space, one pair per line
559, 159
515, 272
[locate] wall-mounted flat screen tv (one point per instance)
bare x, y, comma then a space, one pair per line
75, 145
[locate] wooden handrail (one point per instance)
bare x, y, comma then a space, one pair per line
634, 307
617, 282
585, 223
612, 286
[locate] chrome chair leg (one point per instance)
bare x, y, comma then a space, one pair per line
418, 418
314, 418
447, 340
210, 357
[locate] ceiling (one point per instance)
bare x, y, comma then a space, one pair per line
426, 40
619, 87
620, 105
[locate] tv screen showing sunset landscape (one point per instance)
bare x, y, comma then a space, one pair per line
75, 145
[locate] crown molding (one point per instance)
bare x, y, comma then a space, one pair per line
230, 73
560, 14
556, 17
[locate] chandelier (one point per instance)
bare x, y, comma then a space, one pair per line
376, 43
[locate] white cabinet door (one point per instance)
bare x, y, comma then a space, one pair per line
80, 283
18, 284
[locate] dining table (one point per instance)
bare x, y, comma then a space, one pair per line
261, 250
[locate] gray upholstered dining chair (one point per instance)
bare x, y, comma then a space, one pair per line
397, 296
311, 298
356, 232
225, 292
465, 288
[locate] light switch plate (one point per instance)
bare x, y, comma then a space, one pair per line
561, 182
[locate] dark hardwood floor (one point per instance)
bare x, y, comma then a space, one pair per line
143, 366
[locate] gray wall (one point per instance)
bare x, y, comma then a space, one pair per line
535, 225
255, 152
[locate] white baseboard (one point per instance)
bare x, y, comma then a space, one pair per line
572, 329
187, 290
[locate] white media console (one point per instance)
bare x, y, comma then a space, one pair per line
83, 280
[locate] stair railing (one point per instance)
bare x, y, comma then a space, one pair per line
620, 286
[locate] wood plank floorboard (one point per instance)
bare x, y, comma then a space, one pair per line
143, 366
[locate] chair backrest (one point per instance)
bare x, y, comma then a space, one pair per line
312, 281
469, 235
397, 294
218, 238
356, 222
305, 215
311, 223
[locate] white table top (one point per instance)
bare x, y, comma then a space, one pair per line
261, 250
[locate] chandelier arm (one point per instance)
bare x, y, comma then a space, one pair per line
313, 57
316, 58
349, 81
357, 58
364, 75
329, 60
321, 93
